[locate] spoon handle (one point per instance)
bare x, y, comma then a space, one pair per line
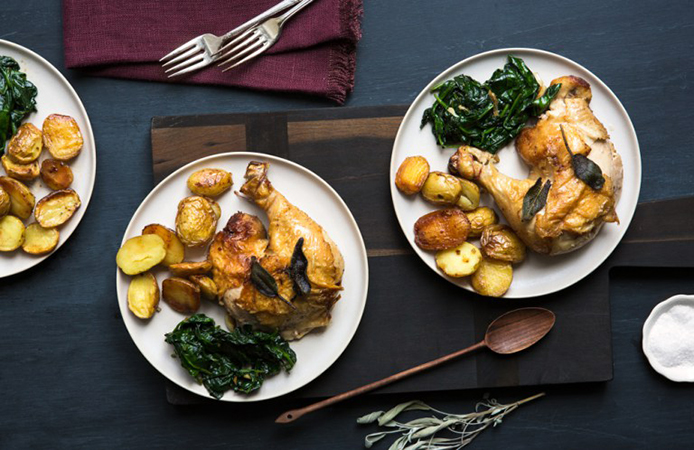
291, 416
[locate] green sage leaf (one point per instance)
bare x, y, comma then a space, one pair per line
585, 169
370, 418
298, 268
535, 199
264, 282
407, 406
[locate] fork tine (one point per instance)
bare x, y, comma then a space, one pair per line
228, 45
180, 49
185, 64
197, 66
265, 46
247, 46
182, 56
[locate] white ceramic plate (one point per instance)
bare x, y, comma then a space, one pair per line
538, 275
55, 95
680, 374
315, 352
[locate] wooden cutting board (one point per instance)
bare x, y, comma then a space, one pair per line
412, 315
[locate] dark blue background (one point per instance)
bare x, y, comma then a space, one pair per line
70, 375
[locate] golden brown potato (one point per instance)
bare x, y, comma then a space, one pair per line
143, 295
442, 229
26, 145
501, 242
141, 253
23, 172
56, 174
11, 233
39, 240
209, 182
459, 261
21, 199
186, 269
175, 251
442, 189
480, 218
207, 286
182, 295
196, 221
4, 202
492, 278
469, 195
56, 208
412, 174
62, 137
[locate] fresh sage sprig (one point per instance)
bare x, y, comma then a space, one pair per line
585, 169
298, 268
535, 199
265, 283
441, 430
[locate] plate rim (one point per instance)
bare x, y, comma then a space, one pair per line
456, 67
362, 253
92, 175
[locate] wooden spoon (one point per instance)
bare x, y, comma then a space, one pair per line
509, 333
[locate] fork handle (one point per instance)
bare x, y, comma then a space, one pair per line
260, 18
287, 15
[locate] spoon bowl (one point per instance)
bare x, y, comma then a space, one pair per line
518, 329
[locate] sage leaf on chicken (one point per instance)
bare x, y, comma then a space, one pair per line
264, 282
585, 169
535, 199
298, 268
17, 98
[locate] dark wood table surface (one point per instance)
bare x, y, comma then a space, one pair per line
71, 377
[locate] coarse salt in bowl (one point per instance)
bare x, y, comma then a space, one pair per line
668, 338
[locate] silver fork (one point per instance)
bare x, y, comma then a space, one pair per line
200, 51
257, 39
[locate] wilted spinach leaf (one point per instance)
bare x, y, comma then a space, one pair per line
240, 360
17, 98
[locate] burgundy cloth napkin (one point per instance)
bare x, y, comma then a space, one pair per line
126, 38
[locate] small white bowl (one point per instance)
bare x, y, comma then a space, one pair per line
673, 373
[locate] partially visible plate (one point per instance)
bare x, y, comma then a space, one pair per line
315, 352
538, 274
55, 96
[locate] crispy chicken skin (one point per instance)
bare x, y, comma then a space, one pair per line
245, 237
574, 212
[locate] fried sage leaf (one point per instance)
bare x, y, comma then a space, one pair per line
535, 199
585, 169
298, 268
264, 282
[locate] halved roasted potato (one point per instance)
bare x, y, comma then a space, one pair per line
501, 242
209, 182
11, 233
175, 251
39, 240
469, 195
186, 269
442, 229
442, 189
143, 295
208, 288
56, 208
459, 261
182, 295
26, 145
141, 253
62, 137
21, 199
4, 202
23, 172
56, 174
196, 221
492, 278
412, 174
480, 218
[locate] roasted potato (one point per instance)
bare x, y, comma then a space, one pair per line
492, 278
56, 174
500, 242
412, 174
141, 253
182, 295
62, 137
11, 233
480, 218
469, 195
4, 202
186, 269
196, 221
175, 251
207, 286
26, 145
216, 208
23, 172
459, 261
442, 189
56, 208
21, 199
143, 295
39, 240
442, 229
209, 182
